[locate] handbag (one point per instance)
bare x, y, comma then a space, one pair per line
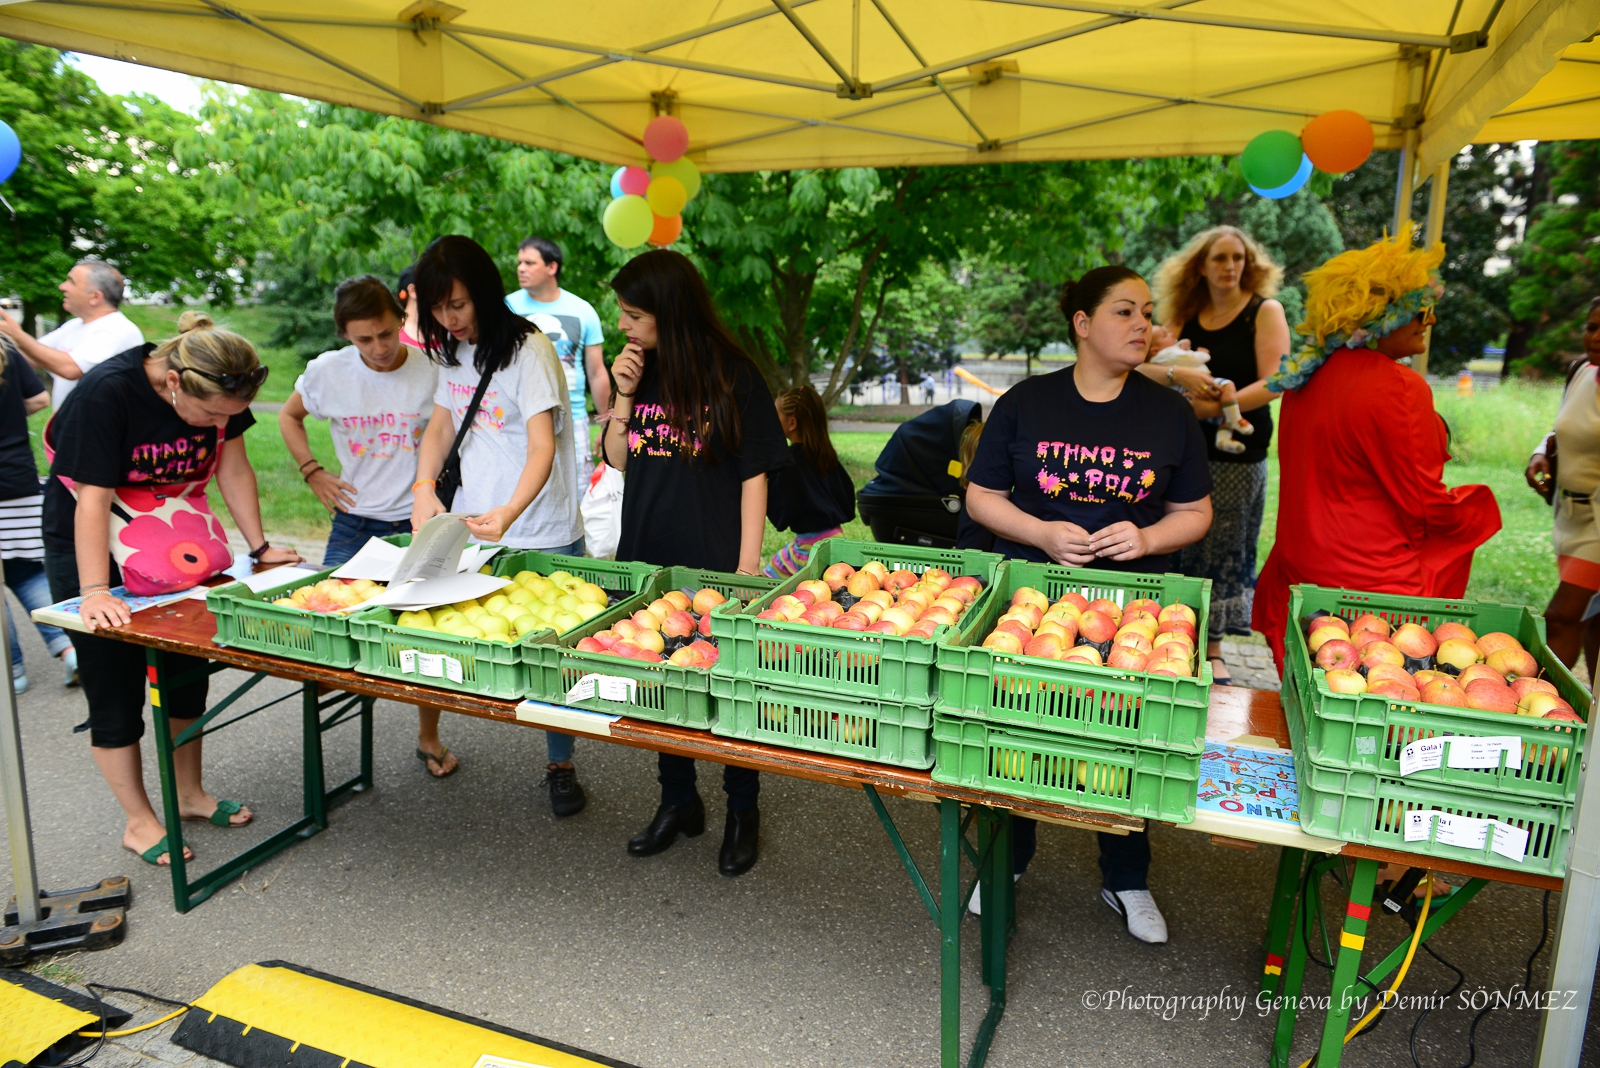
449, 480
164, 538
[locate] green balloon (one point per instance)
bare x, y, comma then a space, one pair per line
628, 221
1271, 159
681, 169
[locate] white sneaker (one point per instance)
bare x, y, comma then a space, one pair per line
1145, 921
975, 906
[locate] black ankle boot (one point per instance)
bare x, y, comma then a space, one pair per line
670, 821
739, 842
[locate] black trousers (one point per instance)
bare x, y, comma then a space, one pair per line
1124, 858
113, 673
677, 777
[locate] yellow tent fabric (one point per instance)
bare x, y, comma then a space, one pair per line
827, 83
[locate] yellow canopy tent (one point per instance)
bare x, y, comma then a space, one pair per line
830, 83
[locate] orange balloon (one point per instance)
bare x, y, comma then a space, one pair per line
666, 230
1337, 141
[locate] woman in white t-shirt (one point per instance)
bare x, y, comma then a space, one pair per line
377, 396
518, 486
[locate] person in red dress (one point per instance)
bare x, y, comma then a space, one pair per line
1362, 501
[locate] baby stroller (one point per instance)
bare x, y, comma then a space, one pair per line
915, 498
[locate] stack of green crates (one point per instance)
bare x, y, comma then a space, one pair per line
1347, 746
247, 619
661, 693
1095, 737
866, 696
478, 665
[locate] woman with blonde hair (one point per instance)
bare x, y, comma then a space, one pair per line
1217, 294
134, 446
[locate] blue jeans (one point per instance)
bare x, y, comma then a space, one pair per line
351, 532
27, 580
575, 549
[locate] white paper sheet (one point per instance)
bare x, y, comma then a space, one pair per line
1419, 824
429, 593
1472, 752
1464, 831
439, 548
1424, 754
1510, 842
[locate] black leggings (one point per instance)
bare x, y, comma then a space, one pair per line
113, 673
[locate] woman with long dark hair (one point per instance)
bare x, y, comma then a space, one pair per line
693, 426
814, 496
517, 483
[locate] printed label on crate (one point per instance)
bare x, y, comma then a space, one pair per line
1419, 823
431, 665
1424, 754
1241, 781
452, 669
606, 687
408, 661
1470, 752
1510, 842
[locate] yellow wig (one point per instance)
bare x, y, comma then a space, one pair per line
1360, 296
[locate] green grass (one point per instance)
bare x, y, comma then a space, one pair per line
252, 322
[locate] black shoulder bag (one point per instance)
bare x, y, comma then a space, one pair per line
449, 480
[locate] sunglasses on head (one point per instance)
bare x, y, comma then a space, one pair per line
234, 383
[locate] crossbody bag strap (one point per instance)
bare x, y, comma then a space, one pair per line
466, 422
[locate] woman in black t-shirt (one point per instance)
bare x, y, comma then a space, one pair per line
693, 426
143, 419
813, 496
1094, 466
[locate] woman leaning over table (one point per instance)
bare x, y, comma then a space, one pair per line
518, 488
1097, 466
149, 416
376, 394
694, 428
1217, 293
1574, 446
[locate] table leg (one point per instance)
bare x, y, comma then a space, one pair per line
154, 665
1294, 971
1290, 863
316, 794
1347, 966
950, 912
997, 923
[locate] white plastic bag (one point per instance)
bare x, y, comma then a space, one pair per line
601, 508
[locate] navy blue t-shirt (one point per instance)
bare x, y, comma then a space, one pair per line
1063, 458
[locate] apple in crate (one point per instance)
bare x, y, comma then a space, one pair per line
1340, 680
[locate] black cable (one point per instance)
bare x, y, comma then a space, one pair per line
1472, 1031
141, 994
1303, 925
100, 1042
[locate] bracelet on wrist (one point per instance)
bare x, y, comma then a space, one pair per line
259, 551
308, 463
306, 475
94, 588
429, 482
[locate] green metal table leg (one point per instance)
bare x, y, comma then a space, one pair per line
1294, 971
155, 662
316, 794
1346, 968
950, 910
995, 924
1290, 863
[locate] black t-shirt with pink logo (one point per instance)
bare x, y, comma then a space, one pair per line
681, 506
114, 430
1066, 459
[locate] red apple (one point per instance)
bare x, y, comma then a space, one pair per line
1370, 622
856, 621
1518, 662
1459, 653
1395, 691
1012, 626
1029, 595
771, 613
938, 616
1083, 654
886, 626
1340, 680
1126, 658
1485, 698
1107, 606
678, 625
1563, 715
872, 610
837, 575
1003, 641
1389, 672
1537, 703
815, 618
899, 580
881, 598
1496, 640
607, 638
1522, 687
1363, 638
1337, 653
1096, 626
1142, 604
1478, 671
902, 619
1376, 653
971, 584
1132, 639
862, 583
1046, 645
820, 591
589, 645
1445, 631
924, 628
1029, 614
1177, 626
1178, 611
704, 626
1068, 629
1444, 691
1414, 641
1324, 634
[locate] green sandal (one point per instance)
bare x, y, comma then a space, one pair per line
223, 815
154, 854
429, 759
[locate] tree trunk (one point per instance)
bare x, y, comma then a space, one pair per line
905, 380
791, 291
1517, 338
30, 317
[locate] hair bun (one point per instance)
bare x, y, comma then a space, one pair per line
194, 320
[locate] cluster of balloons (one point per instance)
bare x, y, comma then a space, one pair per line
648, 204
1277, 163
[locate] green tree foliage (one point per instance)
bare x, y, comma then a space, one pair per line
1014, 313
918, 329
99, 177
805, 262
1558, 264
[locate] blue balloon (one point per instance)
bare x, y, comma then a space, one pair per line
10, 151
616, 183
1293, 185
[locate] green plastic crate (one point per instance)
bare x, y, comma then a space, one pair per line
249, 620
1366, 732
877, 667
1354, 806
886, 732
613, 576
486, 668
1128, 780
662, 693
1103, 703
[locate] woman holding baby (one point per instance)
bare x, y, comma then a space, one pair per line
1216, 294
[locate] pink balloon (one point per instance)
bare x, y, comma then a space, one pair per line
666, 139
634, 181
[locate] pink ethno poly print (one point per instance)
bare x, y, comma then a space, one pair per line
1092, 474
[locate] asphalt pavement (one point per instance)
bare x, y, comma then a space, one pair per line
466, 893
